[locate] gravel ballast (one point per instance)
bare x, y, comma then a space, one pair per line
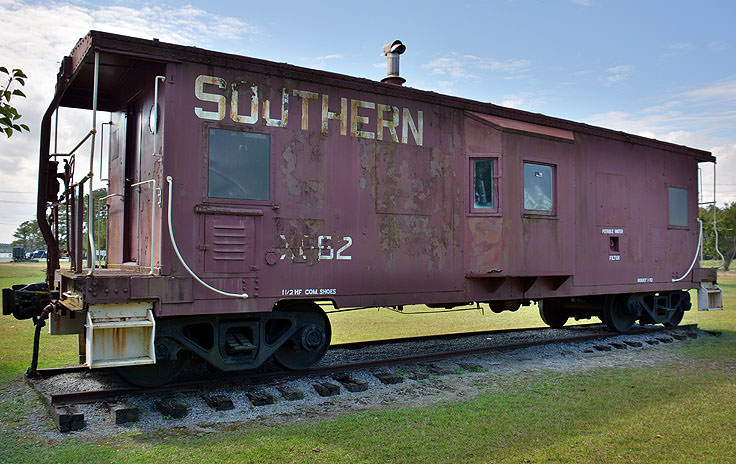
421, 383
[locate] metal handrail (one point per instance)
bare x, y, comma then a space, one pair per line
89, 134
153, 213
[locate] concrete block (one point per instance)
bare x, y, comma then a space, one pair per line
291, 394
68, 418
171, 408
326, 389
389, 379
123, 412
260, 398
218, 402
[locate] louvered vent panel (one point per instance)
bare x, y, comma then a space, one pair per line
229, 243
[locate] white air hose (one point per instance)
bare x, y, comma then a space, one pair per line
170, 180
697, 252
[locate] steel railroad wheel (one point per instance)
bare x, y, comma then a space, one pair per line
311, 339
153, 375
617, 315
553, 314
675, 318
164, 371
683, 304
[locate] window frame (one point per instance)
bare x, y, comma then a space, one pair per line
206, 158
495, 159
668, 187
536, 212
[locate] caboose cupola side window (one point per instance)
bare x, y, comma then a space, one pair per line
483, 196
483, 185
678, 207
539, 188
239, 165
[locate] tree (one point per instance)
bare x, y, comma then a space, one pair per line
28, 235
726, 226
8, 114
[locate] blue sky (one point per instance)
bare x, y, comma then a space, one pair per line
663, 69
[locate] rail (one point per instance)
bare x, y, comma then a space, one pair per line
84, 139
57, 399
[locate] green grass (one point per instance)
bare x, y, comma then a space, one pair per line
611, 415
16, 337
605, 415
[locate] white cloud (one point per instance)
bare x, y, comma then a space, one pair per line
725, 90
698, 130
618, 73
663, 107
528, 101
718, 46
453, 67
678, 47
48, 32
323, 62
681, 46
583, 2
471, 67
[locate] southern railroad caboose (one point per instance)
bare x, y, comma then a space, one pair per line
241, 192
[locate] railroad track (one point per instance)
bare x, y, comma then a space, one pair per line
65, 414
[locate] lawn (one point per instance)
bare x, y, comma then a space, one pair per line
681, 412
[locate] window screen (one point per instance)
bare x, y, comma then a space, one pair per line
239, 165
483, 183
678, 207
539, 187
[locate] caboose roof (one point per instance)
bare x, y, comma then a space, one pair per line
123, 52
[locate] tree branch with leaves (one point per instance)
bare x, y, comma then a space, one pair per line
8, 114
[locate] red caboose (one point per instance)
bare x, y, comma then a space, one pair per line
241, 192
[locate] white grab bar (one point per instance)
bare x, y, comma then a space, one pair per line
170, 180
697, 253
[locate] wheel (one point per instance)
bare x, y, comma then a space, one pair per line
617, 315
553, 314
310, 340
675, 318
676, 315
153, 375
164, 371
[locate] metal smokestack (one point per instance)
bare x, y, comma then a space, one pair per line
392, 51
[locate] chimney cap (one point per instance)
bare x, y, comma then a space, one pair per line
394, 47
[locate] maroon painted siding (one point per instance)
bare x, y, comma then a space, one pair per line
363, 221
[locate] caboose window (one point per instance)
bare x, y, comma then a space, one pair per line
678, 207
483, 184
239, 165
539, 185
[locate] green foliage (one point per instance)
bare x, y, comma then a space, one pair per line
8, 114
28, 235
726, 226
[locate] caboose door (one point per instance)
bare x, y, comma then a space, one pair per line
238, 188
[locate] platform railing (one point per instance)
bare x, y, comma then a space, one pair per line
155, 200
